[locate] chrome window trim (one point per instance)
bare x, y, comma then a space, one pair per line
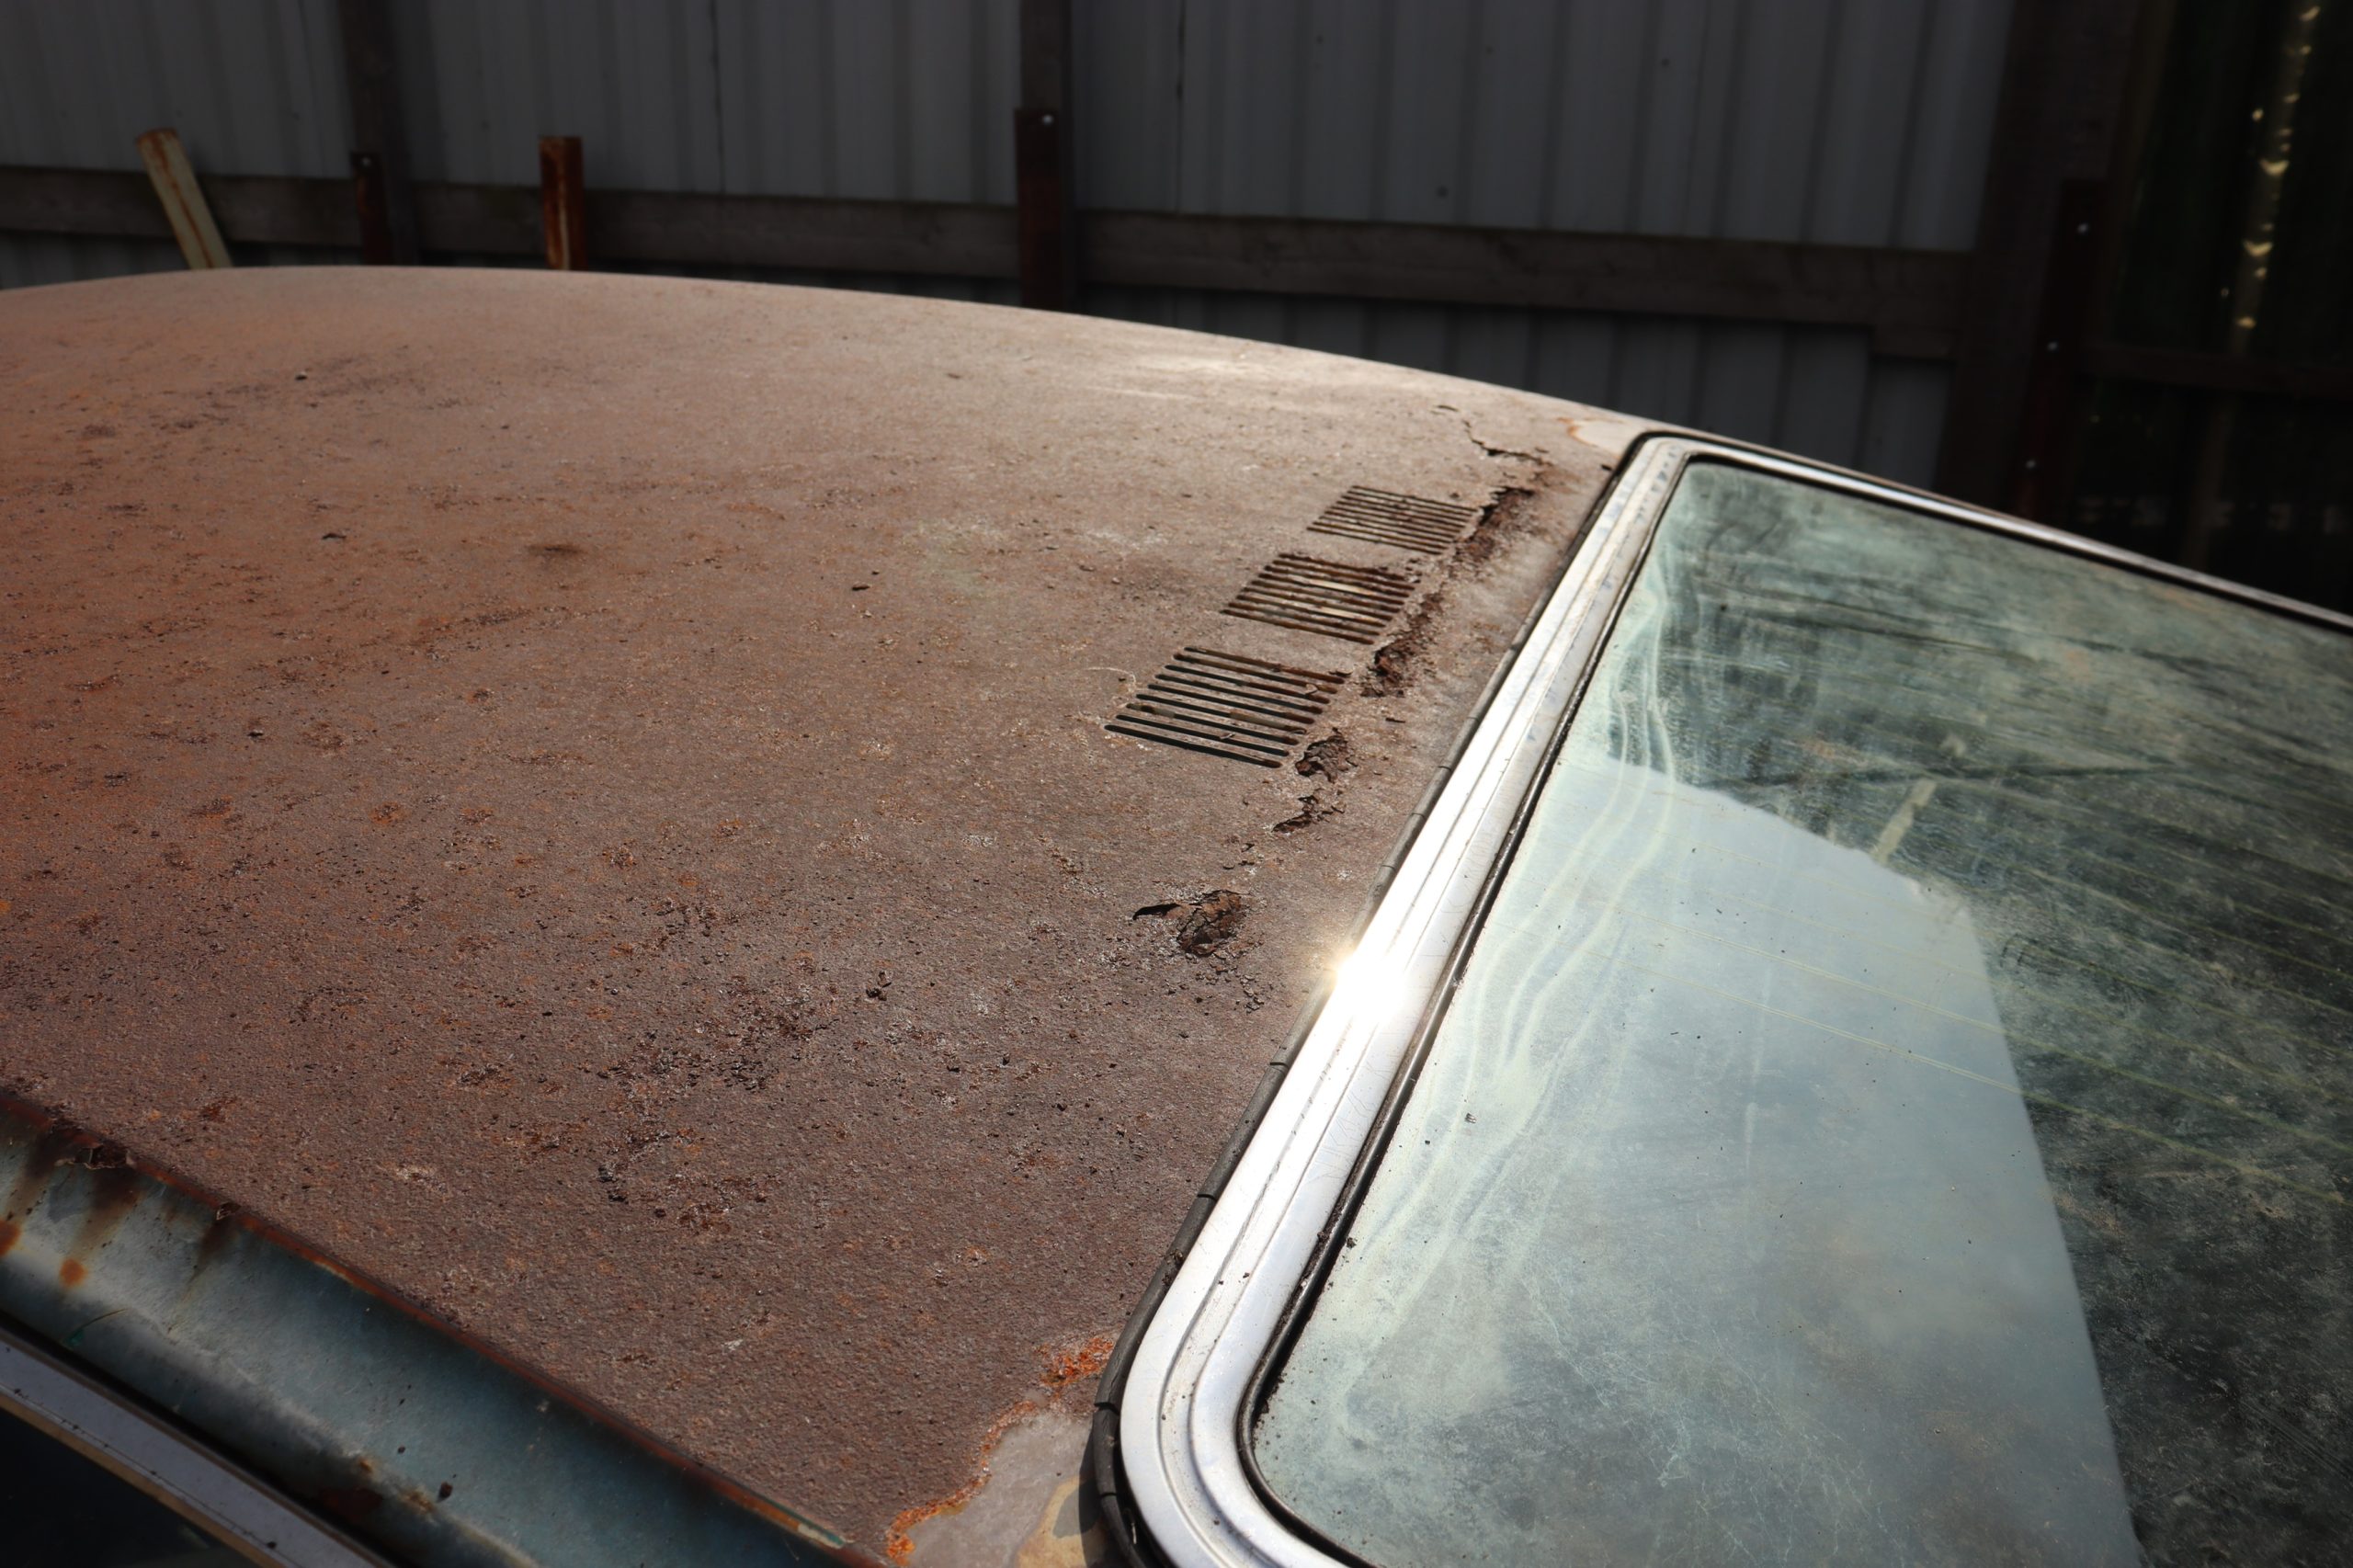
196, 1483
1184, 1408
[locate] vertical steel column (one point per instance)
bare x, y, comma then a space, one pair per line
1041, 158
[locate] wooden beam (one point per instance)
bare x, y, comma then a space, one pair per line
114, 203
2217, 372
928, 239
190, 220
2063, 95
564, 205
1042, 159
383, 190
1906, 299
118, 204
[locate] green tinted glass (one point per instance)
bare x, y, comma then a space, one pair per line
1897, 1109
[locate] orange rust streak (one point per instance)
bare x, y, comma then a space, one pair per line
1068, 1364
897, 1544
10, 1232
1065, 1364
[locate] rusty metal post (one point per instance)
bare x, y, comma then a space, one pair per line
380, 177
1042, 159
563, 203
376, 248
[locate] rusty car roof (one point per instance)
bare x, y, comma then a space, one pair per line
589, 800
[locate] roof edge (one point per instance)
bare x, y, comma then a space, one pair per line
399, 1425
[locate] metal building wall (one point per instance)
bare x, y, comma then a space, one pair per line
879, 100
254, 86
1838, 121
1854, 121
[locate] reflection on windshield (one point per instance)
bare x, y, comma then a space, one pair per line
1901, 942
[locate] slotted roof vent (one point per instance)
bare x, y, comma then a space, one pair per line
1226, 705
1308, 595
1409, 522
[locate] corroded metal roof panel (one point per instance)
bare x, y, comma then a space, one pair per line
589, 800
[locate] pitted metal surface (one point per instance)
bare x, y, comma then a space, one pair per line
588, 798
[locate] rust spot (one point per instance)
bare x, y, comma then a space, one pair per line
388, 813
115, 1191
1313, 808
898, 1544
445, 1490
113, 1188
51, 1148
1202, 927
1067, 1364
213, 1243
1395, 661
1509, 514
10, 1232
1325, 758
1210, 924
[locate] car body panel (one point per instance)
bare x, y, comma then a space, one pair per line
587, 800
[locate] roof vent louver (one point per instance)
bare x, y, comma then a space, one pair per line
1226, 705
1308, 594
1409, 522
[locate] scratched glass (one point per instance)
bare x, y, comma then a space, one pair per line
1896, 1110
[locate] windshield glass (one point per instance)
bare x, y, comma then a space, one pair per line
1895, 1110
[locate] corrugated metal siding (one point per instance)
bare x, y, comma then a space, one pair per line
1843, 121
906, 100
1836, 121
878, 99
1848, 121
253, 87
